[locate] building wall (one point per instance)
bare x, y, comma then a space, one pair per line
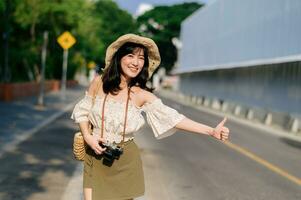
248, 52
273, 87
228, 33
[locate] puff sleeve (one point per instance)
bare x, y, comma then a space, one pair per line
82, 109
161, 118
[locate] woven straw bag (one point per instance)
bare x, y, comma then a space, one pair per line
79, 144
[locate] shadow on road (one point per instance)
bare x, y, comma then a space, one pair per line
292, 143
40, 167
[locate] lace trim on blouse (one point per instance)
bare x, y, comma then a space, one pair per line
161, 118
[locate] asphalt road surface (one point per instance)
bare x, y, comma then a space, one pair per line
254, 165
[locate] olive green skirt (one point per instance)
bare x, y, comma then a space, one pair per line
123, 180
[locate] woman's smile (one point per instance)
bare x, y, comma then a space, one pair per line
132, 63
134, 69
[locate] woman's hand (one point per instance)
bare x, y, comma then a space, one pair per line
93, 142
221, 132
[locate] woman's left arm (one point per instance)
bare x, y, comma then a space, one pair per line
220, 132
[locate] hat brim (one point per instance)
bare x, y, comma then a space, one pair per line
153, 51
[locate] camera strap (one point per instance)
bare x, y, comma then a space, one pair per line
93, 102
125, 116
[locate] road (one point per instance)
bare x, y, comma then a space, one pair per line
254, 165
189, 166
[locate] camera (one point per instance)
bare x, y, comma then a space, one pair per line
111, 153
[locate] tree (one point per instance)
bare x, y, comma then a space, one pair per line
163, 23
115, 22
94, 24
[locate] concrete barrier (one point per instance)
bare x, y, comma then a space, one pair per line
250, 114
225, 106
206, 102
199, 101
268, 119
231, 107
193, 99
284, 121
243, 111
216, 104
237, 110
294, 125
259, 114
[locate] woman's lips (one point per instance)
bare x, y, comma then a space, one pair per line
134, 69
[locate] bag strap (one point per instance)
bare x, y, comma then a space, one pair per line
125, 116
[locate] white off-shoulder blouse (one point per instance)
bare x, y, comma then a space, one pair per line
161, 118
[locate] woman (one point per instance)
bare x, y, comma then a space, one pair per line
114, 104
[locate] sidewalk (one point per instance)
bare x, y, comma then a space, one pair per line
22, 118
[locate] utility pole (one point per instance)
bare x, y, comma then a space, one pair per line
43, 66
64, 74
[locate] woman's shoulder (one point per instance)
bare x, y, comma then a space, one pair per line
95, 84
143, 95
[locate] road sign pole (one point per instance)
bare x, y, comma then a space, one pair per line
66, 40
64, 74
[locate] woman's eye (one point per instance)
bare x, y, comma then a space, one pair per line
141, 58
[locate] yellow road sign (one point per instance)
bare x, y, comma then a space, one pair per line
66, 40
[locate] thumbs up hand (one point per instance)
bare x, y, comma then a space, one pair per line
221, 132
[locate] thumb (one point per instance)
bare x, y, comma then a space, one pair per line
221, 124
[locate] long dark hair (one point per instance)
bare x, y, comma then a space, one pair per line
111, 77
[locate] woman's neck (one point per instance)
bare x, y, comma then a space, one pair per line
124, 82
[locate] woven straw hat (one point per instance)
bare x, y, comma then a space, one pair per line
153, 51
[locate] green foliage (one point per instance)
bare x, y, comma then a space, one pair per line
2, 6
111, 23
162, 24
115, 22
94, 24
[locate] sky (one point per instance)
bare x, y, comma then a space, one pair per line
137, 6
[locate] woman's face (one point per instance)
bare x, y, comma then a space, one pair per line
132, 63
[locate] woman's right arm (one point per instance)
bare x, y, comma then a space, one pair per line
92, 141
